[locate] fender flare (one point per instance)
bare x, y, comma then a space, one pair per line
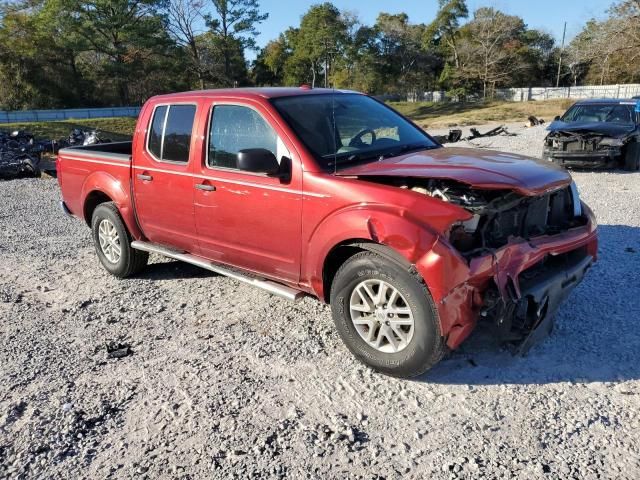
112, 187
377, 228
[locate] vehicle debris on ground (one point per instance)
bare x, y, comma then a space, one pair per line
455, 134
118, 350
86, 137
20, 155
533, 121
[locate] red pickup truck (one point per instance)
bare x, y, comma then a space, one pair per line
335, 195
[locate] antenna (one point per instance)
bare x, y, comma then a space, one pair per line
335, 130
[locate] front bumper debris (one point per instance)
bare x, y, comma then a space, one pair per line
583, 158
517, 287
524, 320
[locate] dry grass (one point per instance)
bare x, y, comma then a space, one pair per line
435, 115
117, 128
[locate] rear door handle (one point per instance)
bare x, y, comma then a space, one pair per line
205, 187
147, 178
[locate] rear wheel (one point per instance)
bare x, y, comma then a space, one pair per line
632, 157
113, 242
385, 316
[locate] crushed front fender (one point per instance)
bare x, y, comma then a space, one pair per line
508, 285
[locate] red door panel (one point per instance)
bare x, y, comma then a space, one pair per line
250, 220
164, 193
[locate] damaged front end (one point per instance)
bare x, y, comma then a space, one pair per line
516, 259
584, 149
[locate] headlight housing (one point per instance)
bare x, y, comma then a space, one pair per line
575, 199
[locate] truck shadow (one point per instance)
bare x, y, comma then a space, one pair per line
596, 336
173, 269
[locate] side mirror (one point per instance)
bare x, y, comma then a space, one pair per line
258, 160
556, 118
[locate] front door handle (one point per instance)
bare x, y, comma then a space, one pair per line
205, 187
145, 177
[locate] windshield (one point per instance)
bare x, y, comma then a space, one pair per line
609, 113
345, 128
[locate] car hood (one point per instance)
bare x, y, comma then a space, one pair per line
478, 168
602, 128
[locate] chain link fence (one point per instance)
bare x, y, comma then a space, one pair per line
542, 93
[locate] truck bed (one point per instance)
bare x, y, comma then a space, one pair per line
114, 151
81, 169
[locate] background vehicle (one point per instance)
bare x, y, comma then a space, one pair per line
333, 194
596, 133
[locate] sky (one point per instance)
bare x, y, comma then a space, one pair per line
547, 15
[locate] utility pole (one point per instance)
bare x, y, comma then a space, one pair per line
564, 32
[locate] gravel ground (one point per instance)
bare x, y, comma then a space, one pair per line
224, 381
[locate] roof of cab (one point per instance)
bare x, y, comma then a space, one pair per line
258, 92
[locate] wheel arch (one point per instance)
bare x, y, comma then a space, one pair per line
346, 249
101, 187
387, 232
91, 202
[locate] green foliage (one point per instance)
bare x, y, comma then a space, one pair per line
68, 53
322, 36
233, 28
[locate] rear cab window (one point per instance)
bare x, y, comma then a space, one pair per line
170, 133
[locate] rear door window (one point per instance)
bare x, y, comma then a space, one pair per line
170, 133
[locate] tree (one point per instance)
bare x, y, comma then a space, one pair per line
407, 65
489, 49
184, 20
608, 50
218, 55
361, 67
123, 34
235, 23
321, 37
270, 63
39, 58
444, 31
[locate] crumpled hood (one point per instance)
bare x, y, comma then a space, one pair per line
479, 168
602, 128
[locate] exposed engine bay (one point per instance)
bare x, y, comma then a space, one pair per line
583, 147
499, 215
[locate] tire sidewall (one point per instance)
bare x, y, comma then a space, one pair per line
423, 349
103, 212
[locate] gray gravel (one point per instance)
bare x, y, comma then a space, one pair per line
224, 381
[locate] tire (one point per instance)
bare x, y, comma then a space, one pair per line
31, 169
632, 157
421, 349
106, 221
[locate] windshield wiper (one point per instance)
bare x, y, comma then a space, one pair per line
411, 147
380, 155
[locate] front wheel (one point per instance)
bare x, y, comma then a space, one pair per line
113, 242
385, 316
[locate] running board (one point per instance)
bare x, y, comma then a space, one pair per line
267, 285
